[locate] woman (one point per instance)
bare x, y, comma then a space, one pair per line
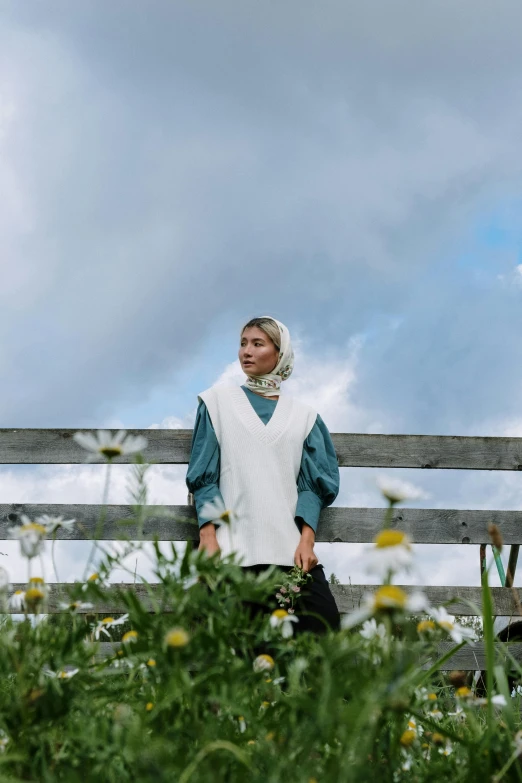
269, 459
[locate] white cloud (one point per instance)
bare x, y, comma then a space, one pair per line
327, 385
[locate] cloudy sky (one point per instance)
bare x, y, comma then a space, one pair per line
170, 169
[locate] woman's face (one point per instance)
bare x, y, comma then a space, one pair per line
257, 353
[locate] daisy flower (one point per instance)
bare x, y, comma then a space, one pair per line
96, 579
31, 536
16, 602
177, 637
388, 598
408, 737
63, 674
263, 663
283, 620
33, 597
76, 606
397, 491
108, 446
215, 511
52, 524
108, 622
370, 630
426, 626
130, 636
412, 726
447, 622
447, 749
392, 552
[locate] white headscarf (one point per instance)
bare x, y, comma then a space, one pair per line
269, 385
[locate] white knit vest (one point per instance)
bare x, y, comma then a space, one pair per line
259, 469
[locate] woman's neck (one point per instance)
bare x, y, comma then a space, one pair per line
263, 395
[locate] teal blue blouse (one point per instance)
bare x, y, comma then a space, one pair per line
318, 480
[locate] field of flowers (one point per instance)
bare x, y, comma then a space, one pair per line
196, 690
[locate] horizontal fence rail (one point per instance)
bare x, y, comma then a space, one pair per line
337, 524
471, 657
54, 446
465, 600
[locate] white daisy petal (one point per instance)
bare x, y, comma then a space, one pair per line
86, 440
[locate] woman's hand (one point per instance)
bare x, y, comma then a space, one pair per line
207, 539
305, 556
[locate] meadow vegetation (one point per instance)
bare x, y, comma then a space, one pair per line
197, 690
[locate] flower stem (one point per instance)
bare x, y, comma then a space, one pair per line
52, 558
101, 520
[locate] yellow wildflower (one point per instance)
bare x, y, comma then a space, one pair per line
177, 637
408, 737
425, 626
263, 663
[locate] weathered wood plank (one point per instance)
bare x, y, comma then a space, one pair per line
338, 524
56, 446
471, 657
169, 523
347, 597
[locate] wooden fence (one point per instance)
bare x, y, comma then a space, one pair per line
348, 525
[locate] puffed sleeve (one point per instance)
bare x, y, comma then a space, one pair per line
318, 480
204, 466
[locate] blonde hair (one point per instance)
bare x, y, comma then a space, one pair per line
268, 326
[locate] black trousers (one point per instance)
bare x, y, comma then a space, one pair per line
316, 609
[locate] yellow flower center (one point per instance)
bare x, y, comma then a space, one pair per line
265, 704
36, 580
178, 637
392, 538
280, 614
130, 636
267, 659
425, 625
34, 595
149, 706
447, 625
151, 662
432, 696
33, 527
93, 577
389, 597
107, 620
408, 737
463, 692
111, 451
438, 739
270, 736
18, 592
225, 517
